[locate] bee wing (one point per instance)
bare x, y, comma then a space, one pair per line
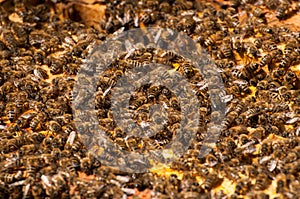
45, 180
71, 138
27, 187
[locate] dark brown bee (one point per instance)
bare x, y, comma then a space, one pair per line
251, 68
290, 76
278, 73
267, 59
282, 9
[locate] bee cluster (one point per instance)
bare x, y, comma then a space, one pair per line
258, 150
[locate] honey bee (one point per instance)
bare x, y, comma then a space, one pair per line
9, 178
290, 76
267, 59
11, 111
211, 160
287, 60
165, 7
153, 92
181, 5
175, 103
278, 73
211, 181
262, 181
37, 120
251, 50
269, 46
255, 21
280, 186
282, 9
31, 166
54, 126
230, 117
187, 70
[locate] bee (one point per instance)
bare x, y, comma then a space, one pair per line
291, 157
37, 120
226, 50
56, 68
211, 181
258, 42
201, 27
264, 29
181, 5
282, 9
11, 111
262, 181
134, 63
48, 159
31, 166
9, 178
251, 50
37, 190
267, 59
269, 46
289, 47
54, 126
255, 21
290, 76
187, 24
165, 7
280, 185
211, 160
175, 103
22, 101
287, 60
234, 89
29, 149
136, 103
278, 73
230, 117
187, 69
210, 40
153, 92
251, 68
238, 74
